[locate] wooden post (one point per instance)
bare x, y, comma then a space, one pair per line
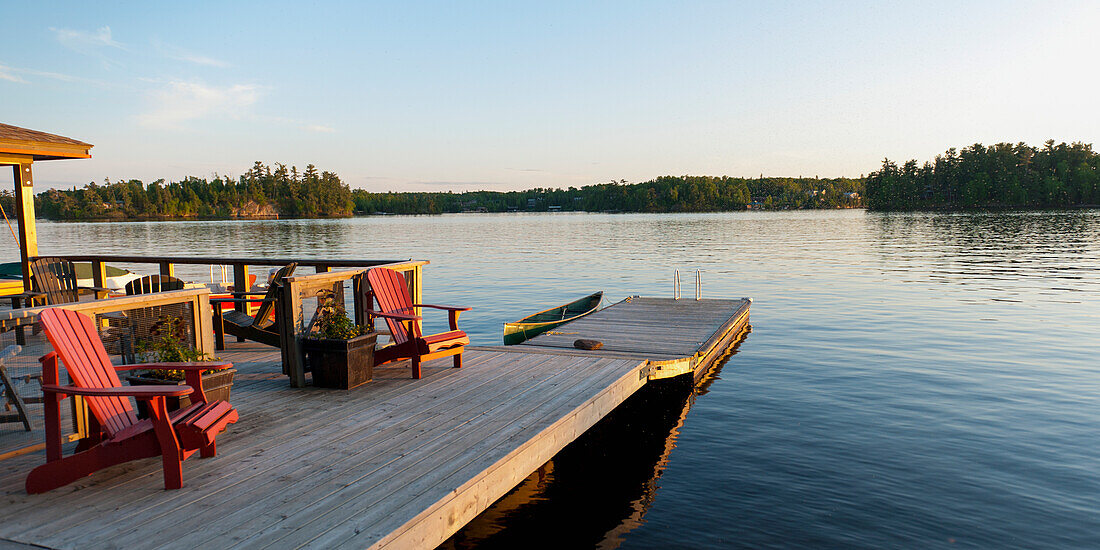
24, 207
28, 247
203, 315
99, 278
168, 268
240, 284
293, 361
362, 300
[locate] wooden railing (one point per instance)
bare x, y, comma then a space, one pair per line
304, 287
201, 321
290, 299
167, 264
199, 298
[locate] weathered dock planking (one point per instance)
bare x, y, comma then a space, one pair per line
675, 336
397, 463
402, 463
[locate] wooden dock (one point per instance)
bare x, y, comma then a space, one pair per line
675, 336
397, 463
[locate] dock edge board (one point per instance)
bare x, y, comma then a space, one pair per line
699, 363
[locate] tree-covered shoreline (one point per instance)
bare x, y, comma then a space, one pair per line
659, 195
1002, 176
261, 192
266, 192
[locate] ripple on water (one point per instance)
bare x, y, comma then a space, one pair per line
913, 380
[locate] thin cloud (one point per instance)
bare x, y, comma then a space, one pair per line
15, 74
57, 76
180, 54
82, 41
177, 102
6, 73
304, 125
201, 60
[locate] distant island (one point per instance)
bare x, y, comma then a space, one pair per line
663, 194
280, 191
1001, 176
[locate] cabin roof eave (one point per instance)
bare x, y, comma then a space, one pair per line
19, 142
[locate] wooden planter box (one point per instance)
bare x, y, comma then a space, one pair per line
341, 364
215, 385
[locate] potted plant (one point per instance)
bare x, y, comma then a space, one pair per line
338, 352
167, 346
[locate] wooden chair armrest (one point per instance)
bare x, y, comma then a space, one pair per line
17, 300
397, 316
26, 294
139, 392
95, 288
242, 293
195, 365
448, 308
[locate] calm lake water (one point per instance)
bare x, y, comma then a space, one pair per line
912, 380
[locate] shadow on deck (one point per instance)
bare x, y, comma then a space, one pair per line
396, 461
393, 463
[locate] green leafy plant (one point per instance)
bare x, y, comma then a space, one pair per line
167, 346
331, 321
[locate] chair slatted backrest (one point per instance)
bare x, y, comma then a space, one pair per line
145, 318
277, 282
393, 297
153, 283
56, 278
74, 338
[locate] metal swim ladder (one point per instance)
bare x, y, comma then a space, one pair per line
698, 285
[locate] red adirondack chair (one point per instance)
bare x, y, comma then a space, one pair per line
392, 293
120, 436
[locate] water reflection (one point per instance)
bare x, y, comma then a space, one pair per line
1000, 252
595, 490
599, 488
916, 378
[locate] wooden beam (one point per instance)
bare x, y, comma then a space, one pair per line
317, 281
49, 154
8, 158
24, 207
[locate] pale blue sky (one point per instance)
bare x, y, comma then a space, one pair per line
509, 95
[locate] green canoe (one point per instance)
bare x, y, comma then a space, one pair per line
538, 323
